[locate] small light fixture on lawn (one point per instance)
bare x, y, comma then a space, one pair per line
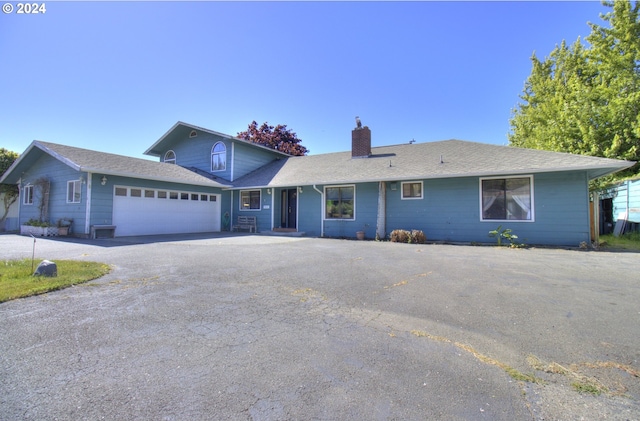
103, 180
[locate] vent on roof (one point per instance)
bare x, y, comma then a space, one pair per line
193, 134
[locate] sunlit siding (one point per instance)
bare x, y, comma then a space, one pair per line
263, 215
450, 211
366, 208
58, 175
309, 211
196, 152
247, 159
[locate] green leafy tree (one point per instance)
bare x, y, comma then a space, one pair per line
279, 138
586, 99
8, 192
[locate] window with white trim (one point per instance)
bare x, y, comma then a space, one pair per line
74, 191
506, 199
27, 195
250, 200
340, 202
412, 190
170, 157
218, 157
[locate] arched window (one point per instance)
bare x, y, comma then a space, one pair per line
218, 157
170, 157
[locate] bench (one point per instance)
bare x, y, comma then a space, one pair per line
246, 222
96, 228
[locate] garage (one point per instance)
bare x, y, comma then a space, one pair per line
142, 211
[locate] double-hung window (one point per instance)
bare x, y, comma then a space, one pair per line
340, 202
74, 191
507, 199
250, 200
27, 195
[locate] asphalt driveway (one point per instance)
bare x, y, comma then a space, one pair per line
253, 327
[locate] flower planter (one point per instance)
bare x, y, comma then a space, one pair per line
38, 231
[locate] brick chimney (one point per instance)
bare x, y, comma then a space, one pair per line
360, 141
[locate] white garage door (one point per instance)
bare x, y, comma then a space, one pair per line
140, 211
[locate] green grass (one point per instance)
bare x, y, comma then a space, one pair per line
629, 242
17, 281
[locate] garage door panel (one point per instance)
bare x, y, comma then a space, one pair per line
153, 215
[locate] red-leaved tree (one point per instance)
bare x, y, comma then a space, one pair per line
279, 138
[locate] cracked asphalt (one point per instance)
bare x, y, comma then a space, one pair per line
250, 327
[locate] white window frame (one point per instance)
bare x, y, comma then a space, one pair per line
249, 192
74, 191
170, 160
324, 215
531, 195
402, 196
215, 156
27, 194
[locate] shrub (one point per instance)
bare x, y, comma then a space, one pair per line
418, 237
404, 236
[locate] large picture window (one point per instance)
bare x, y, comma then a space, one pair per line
74, 189
340, 202
250, 200
218, 157
507, 199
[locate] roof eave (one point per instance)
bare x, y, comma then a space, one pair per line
593, 172
204, 182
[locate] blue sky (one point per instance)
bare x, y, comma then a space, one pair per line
115, 76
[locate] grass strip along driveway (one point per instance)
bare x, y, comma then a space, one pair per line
17, 279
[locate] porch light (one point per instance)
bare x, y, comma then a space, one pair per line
103, 180
300, 189
268, 191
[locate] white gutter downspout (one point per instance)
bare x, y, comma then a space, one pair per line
87, 221
322, 204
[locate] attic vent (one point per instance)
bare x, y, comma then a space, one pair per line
193, 134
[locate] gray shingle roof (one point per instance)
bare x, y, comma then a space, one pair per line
422, 161
112, 164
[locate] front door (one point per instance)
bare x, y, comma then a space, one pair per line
289, 206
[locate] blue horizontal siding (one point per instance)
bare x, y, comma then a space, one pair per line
263, 215
248, 159
450, 211
58, 175
196, 152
